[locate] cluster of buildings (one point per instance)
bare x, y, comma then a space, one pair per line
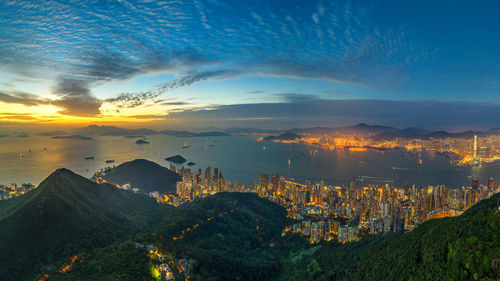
344, 213
13, 190
456, 148
164, 265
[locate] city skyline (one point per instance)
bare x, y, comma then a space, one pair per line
257, 65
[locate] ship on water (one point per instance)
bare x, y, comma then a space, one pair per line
185, 145
89, 158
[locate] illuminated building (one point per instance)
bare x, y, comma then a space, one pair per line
491, 183
475, 183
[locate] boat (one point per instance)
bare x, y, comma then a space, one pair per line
89, 158
110, 161
185, 145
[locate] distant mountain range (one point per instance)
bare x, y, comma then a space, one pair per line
381, 132
375, 131
227, 236
146, 175
117, 131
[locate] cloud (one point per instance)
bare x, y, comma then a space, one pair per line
296, 98
175, 103
149, 116
192, 38
22, 98
318, 112
75, 98
140, 98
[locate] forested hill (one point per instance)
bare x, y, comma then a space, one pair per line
146, 175
227, 236
466, 247
66, 214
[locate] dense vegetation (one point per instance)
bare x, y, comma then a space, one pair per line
145, 175
234, 244
228, 236
64, 215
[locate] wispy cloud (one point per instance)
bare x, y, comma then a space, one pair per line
22, 98
140, 98
77, 46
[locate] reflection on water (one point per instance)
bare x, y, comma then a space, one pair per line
239, 157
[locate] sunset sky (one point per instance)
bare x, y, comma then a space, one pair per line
267, 64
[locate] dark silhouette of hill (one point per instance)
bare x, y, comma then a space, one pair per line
177, 159
117, 131
227, 236
66, 214
146, 175
285, 136
142, 141
360, 128
113, 131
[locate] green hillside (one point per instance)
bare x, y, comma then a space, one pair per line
146, 175
227, 236
466, 247
64, 215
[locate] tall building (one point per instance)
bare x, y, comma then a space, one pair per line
275, 181
208, 174
475, 183
491, 183
474, 150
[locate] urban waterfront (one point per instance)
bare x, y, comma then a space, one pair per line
242, 158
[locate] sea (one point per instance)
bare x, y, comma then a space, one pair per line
241, 158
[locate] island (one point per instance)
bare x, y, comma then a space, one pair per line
75, 137
177, 159
141, 141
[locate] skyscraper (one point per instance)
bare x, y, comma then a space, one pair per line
491, 183
474, 151
264, 180
275, 181
208, 174
475, 183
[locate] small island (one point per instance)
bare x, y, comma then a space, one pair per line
177, 159
75, 137
141, 141
191, 163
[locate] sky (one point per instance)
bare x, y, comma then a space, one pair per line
262, 64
